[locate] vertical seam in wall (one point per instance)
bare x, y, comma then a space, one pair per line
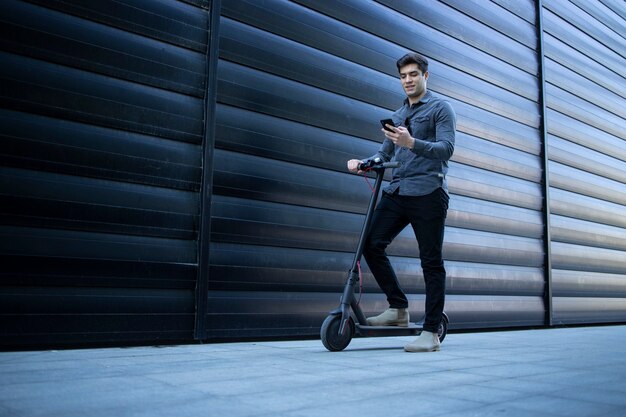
547, 239
206, 187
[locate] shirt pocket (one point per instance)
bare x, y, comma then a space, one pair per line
421, 128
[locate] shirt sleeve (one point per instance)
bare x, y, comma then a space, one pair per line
445, 127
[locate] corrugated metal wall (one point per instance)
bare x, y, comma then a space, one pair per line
586, 103
301, 87
107, 114
102, 122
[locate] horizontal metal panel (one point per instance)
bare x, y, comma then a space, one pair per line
254, 90
47, 144
463, 213
47, 89
582, 110
263, 135
58, 201
572, 82
248, 221
570, 310
580, 232
267, 52
378, 41
460, 26
477, 152
578, 206
54, 315
459, 244
24, 241
557, 50
258, 91
272, 137
249, 314
587, 284
263, 268
586, 258
85, 301
580, 182
604, 15
585, 135
560, 28
491, 186
585, 159
584, 22
495, 128
171, 21
39, 271
68, 40
524, 9
246, 176
499, 19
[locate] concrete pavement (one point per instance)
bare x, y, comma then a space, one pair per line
550, 372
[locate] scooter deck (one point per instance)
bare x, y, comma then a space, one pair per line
411, 329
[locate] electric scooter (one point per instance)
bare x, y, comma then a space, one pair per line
348, 319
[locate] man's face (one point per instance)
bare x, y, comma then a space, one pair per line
413, 81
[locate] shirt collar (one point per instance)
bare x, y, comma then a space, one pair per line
425, 99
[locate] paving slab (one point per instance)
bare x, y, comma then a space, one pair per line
578, 371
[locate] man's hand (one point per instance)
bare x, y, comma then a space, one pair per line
353, 166
399, 136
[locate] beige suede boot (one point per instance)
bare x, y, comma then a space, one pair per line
391, 317
425, 342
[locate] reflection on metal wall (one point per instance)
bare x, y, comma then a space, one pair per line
109, 167
101, 116
301, 87
586, 100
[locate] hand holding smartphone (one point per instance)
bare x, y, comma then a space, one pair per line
385, 122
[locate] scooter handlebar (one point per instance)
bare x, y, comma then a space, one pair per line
377, 163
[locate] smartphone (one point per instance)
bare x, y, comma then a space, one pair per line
387, 122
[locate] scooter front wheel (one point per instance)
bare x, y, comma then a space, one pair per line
329, 333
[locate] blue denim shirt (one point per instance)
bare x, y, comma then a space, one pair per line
432, 123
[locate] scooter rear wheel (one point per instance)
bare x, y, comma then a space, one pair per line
329, 333
443, 329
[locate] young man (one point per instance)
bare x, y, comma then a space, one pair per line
423, 141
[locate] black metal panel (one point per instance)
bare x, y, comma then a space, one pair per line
376, 37
558, 25
233, 314
589, 160
585, 135
171, 21
577, 310
48, 144
295, 101
581, 207
608, 41
68, 40
586, 102
108, 163
90, 98
102, 120
63, 315
588, 284
474, 32
581, 232
244, 267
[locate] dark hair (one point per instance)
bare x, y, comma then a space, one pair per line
413, 58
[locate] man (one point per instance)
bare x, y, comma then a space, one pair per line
423, 141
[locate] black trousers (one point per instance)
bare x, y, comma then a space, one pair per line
427, 215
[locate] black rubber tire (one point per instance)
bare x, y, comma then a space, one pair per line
443, 329
329, 333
